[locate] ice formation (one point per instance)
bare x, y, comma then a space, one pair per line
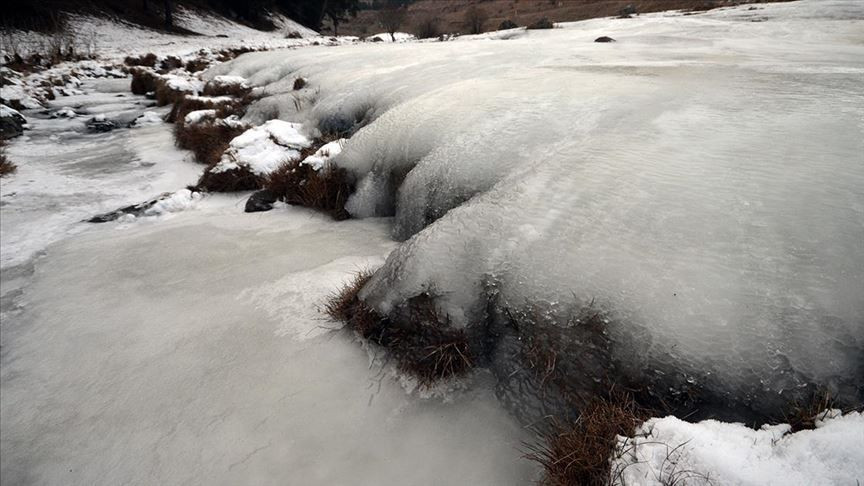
323, 155
699, 181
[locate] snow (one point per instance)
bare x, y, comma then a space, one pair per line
148, 118
182, 83
175, 202
18, 93
729, 453
228, 81
700, 181
197, 116
322, 156
264, 148
6, 112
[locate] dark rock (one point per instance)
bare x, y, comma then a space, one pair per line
11, 124
222, 36
604, 39
100, 124
260, 201
507, 24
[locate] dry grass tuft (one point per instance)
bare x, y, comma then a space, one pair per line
804, 415
299, 184
577, 452
425, 346
6, 167
165, 94
148, 60
241, 179
187, 105
543, 23
218, 89
143, 81
207, 140
196, 65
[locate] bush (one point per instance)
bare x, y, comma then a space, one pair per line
196, 65
427, 27
170, 63
165, 94
507, 24
543, 23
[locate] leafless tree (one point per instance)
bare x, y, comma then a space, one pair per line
475, 18
391, 17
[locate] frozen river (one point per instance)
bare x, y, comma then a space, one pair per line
187, 348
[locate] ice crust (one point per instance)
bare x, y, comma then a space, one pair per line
700, 180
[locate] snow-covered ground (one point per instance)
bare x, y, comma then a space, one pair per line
700, 179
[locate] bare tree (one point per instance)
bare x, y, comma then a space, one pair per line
475, 18
391, 17
169, 17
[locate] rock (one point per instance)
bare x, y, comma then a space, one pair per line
12, 123
604, 39
99, 124
260, 201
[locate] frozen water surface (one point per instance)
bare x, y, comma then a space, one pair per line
701, 180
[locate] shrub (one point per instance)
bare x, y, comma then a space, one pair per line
165, 94
148, 60
426, 27
170, 63
543, 23
143, 81
475, 19
577, 451
207, 140
299, 184
507, 24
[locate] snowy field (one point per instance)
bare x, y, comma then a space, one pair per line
701, 181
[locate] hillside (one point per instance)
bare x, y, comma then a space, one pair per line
450, 15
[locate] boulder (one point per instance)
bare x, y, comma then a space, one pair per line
260, 201
12, 122
604, 39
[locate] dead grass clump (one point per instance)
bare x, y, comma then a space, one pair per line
147, 60
424, 345
143, 81
577, 452
804, 415
237, 90
165, 94
299, 184
188, 104
196, 65
240, 179
171, 63
207, 140
6, 167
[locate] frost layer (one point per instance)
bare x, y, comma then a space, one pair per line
700, 181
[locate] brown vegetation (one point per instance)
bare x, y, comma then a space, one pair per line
196, 65
237, 90
425, 346
188, 104
577, 452
475, 20
207, 140
299, 184
240, 179
147, 60
165, 94
143, 81
6, 167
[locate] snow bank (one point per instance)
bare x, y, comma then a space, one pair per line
264, 148
667, 449
699, 181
